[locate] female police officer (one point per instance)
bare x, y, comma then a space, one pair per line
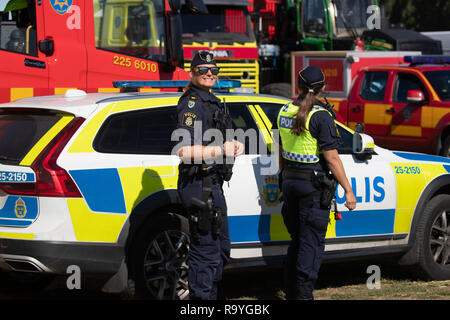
308, 149
201, 175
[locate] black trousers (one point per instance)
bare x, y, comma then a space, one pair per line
307, 224
208, 254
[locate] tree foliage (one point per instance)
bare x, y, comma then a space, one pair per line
419, 15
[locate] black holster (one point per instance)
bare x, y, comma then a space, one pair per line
327, 183
206, 216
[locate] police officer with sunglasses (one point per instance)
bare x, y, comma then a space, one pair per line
202, 172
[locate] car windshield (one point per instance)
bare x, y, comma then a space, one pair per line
222, 24
440, 80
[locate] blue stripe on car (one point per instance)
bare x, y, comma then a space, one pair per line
101, 189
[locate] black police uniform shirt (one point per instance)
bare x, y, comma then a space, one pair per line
191, 109
322, 128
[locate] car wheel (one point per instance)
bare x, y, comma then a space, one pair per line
158, 265
445, 151
433, 236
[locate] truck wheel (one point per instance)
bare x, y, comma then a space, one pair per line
445, 151
157, 261
278, 89
433, 239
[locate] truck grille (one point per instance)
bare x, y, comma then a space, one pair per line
243, 70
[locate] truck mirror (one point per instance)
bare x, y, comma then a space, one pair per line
363, 144
197, 6
175, 45
47, 47
359, 127
175, 5
415, 96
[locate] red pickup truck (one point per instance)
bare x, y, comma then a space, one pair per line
403, 107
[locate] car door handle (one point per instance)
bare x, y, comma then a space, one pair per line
356, 109
390, 110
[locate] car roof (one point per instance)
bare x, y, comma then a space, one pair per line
83, 104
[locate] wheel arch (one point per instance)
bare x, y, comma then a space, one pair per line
440, 185
160, 202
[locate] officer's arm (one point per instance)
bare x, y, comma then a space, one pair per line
337, 168
198, 153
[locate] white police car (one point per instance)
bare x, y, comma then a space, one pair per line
89, 180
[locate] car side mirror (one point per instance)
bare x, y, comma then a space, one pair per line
415, 96
363, 146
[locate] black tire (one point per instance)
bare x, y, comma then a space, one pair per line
279, 89
445, 151
157, 261
433, 240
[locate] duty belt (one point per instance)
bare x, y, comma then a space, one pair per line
298, 174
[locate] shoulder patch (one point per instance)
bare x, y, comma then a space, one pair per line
189, 119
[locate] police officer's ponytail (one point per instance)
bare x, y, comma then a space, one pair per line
310, 81
305, 102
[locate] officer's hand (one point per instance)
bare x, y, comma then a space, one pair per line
228, 147
238, 148
350, 200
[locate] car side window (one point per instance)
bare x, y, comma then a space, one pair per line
346, 140
373, 85
405, 82
138, 132
271, 110
246, 130
18, 27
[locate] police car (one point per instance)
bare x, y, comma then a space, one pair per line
89, 180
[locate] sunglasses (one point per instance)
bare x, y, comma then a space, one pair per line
204, 70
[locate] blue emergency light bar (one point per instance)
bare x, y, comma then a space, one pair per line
128, 84
427, 59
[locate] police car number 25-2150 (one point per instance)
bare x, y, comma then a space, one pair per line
406, 170
7, 176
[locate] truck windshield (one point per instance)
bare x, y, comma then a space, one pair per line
18, 26
440, 80
131, 27
222, 24
351, 17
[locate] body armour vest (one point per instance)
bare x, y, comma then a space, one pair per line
304, 147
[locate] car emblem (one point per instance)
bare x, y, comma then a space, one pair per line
20, 209
272, 194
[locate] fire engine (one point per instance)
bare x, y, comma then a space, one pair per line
223, 28
49, 46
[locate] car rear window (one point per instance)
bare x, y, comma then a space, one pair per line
20, 130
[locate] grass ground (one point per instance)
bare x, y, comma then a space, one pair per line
337, 281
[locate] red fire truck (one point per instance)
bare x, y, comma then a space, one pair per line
226, 31
48, 46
